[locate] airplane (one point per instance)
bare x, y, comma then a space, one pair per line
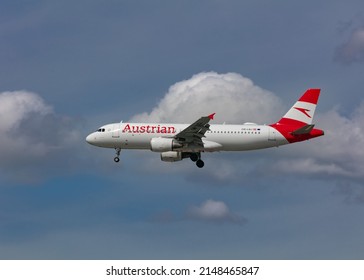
176, 142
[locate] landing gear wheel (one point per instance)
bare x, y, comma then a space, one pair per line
194, 157
117, 150
200, 163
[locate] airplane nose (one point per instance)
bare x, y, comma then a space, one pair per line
90, 139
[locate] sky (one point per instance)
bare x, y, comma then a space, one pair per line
68, 67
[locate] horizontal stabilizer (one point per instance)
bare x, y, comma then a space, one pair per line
303, 130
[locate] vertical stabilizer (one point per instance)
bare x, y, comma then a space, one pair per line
302, 112
296, 125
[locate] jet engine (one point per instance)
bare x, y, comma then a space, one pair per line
171, 156
163, 144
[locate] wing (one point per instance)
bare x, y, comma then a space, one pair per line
192, 135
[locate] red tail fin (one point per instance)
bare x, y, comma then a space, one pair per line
296, 125
302, 112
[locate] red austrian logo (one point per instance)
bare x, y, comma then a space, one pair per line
304, 111
149, 129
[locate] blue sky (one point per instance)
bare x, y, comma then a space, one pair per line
68, 67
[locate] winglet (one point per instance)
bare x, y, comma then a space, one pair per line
211, 117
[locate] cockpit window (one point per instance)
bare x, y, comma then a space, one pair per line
101, 130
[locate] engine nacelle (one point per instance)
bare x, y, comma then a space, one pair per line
164, 144
171, 156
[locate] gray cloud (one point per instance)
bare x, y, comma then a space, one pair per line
33, 139
352, 50
214, 211
352, 192
339, 154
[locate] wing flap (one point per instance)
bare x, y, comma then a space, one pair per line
192, 135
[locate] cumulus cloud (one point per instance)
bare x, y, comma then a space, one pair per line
214, 211
32, 137
208, 211
309, 166
234, 99
353, 49
338, 154
15, 106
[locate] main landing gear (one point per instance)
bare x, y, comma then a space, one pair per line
196, 157
117, 159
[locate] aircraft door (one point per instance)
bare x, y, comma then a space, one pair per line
272, 134
116, 131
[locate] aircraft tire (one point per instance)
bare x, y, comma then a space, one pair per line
116, 159
194, 157
200, 163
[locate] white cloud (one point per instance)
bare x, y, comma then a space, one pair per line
234, 99
353, 49
309, 166
32, 137
17, 105
338, 154
214, 211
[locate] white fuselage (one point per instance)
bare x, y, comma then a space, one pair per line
176, 142
221, 137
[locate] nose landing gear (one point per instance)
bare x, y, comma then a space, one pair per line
117, 159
